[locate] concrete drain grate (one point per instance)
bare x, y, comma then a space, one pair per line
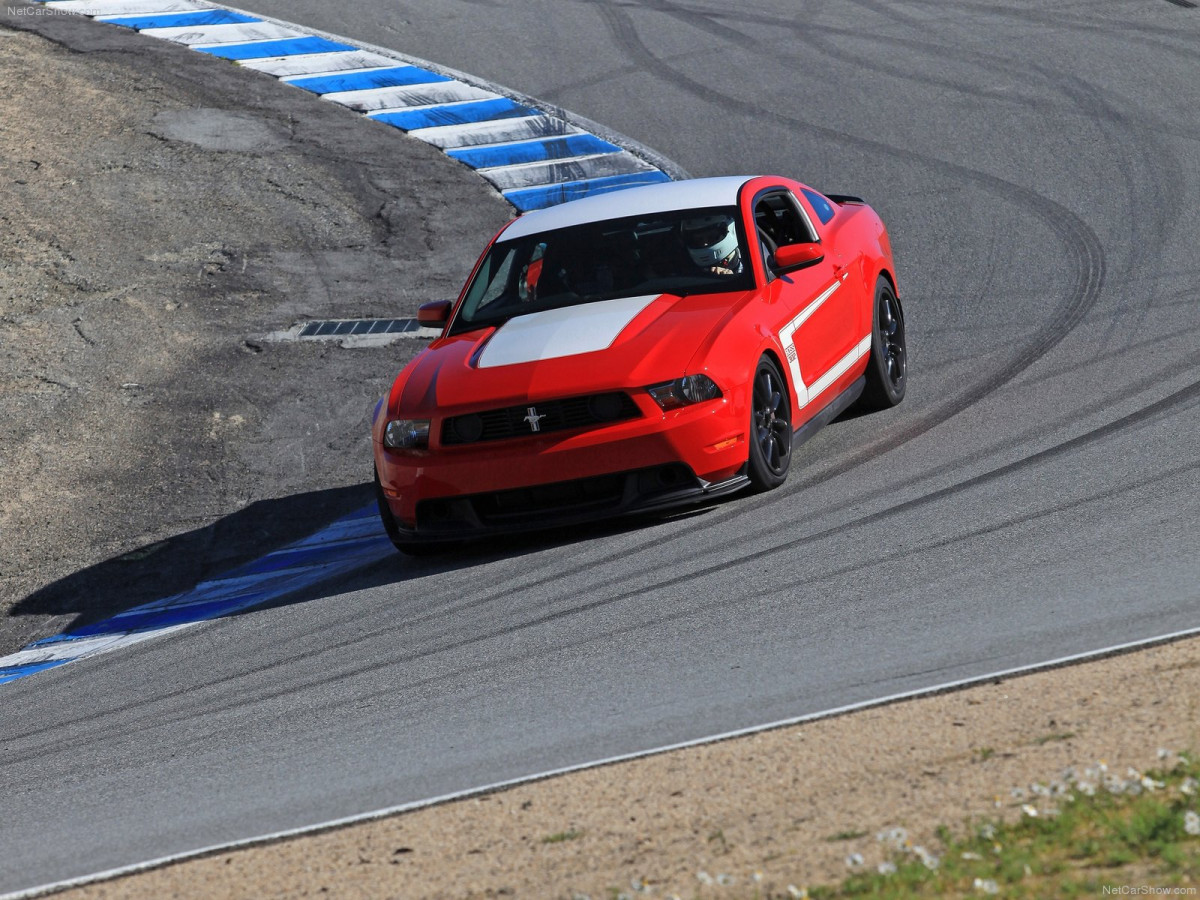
340, 327
354, 332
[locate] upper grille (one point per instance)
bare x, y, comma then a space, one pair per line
550, 415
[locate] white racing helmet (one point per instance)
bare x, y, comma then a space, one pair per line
711, 240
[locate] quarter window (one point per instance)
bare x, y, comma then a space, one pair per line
822, 207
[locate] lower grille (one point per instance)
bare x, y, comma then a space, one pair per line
545, 503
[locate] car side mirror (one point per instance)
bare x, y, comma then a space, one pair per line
434, 314
797, 256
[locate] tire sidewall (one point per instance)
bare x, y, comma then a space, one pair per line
887, 394
762, 477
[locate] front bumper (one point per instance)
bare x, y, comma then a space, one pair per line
651, 462
563, 503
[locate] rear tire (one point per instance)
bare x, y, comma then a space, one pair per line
887, 369
770, 428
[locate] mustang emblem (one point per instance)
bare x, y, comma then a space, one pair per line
534, 419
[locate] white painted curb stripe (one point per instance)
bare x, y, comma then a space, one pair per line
355, 68
317, 828
208, 35
451, 111
449, 137
583, 168
319, 63
397, 98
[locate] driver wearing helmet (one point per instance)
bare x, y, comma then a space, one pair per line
712, 243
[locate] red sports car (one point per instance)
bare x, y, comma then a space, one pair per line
639, 350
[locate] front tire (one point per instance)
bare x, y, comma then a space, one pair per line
887, 369
770, 428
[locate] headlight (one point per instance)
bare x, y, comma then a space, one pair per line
406, 434
684, 391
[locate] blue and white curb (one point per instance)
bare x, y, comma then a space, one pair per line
348, 544
534, 155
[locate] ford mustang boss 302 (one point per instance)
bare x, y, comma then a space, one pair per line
635, 351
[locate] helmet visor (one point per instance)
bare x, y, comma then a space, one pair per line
704, 235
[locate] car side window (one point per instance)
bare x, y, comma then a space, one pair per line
778, 217
779, 221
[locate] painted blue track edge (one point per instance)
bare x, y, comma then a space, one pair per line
345, 545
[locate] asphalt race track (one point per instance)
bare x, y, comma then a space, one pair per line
1033, 497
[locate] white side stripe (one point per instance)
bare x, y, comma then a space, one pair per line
839, 368
787, 339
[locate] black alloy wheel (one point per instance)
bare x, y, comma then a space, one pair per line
770, 428
887, 369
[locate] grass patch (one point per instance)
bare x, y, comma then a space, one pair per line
1074, 839
560, 836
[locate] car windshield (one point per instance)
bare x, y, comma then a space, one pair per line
678, 252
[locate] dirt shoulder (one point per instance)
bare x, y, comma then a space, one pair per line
160, 211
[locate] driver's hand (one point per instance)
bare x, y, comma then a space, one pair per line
720, 270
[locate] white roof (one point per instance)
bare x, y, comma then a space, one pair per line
691, 194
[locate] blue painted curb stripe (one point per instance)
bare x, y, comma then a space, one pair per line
294, 559
526, 199
12, 673
532, 151
172, 20
400, 76
153, 620
264, 49
340, 548
456, 114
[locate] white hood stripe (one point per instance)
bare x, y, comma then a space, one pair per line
562, 332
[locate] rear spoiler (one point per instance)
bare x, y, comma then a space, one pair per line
841, 199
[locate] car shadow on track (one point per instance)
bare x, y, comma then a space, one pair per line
396, 568
178, 564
